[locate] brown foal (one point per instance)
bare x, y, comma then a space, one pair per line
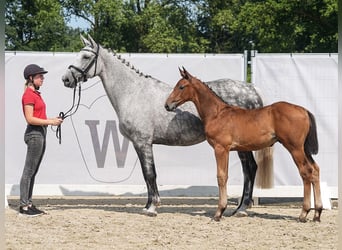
230, 128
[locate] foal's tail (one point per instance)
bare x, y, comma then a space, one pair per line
264, 160
311, 141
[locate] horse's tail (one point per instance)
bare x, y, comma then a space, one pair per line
311, 141
264, 160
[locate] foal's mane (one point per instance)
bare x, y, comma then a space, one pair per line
211, 90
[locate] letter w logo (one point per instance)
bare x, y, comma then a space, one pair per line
101, 152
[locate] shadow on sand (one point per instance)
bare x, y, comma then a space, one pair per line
134, 205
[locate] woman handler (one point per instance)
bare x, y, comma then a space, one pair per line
35, 135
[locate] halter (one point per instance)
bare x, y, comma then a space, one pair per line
74, 107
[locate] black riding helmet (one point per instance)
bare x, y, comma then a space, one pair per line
33, 69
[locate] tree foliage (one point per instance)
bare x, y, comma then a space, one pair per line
291, 26
175, 26
36, 25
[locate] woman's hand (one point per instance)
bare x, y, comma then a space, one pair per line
55, 121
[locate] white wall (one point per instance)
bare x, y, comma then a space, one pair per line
71, 168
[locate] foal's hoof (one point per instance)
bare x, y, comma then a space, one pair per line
148, 212
317, 215
241, 214
303, 220
217, 218
317, 219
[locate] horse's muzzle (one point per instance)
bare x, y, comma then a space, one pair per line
69, 83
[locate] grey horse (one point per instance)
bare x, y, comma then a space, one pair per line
139, 100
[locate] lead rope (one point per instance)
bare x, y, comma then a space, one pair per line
66, 114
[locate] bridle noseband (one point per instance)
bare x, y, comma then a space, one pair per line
84, 72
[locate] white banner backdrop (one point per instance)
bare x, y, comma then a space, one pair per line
309, 80
75, 161
74, 167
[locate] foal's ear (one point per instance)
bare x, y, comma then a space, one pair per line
181, 72
185, 74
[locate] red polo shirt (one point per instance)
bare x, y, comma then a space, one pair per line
33, 97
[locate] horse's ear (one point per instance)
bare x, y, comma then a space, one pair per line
85, 41
93, 43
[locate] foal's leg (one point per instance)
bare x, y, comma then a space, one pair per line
317, 192
306, 200
249, 168
306, 172
145, 155
222, 157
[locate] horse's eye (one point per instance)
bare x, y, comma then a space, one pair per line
181, 87
86, 56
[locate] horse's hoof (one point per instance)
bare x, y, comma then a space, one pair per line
241, 214
149, 212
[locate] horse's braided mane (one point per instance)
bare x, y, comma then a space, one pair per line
128, 64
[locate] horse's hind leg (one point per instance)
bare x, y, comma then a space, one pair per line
249, 168
145, 155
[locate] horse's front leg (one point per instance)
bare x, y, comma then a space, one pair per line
249, 168
222, 157
145, 155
